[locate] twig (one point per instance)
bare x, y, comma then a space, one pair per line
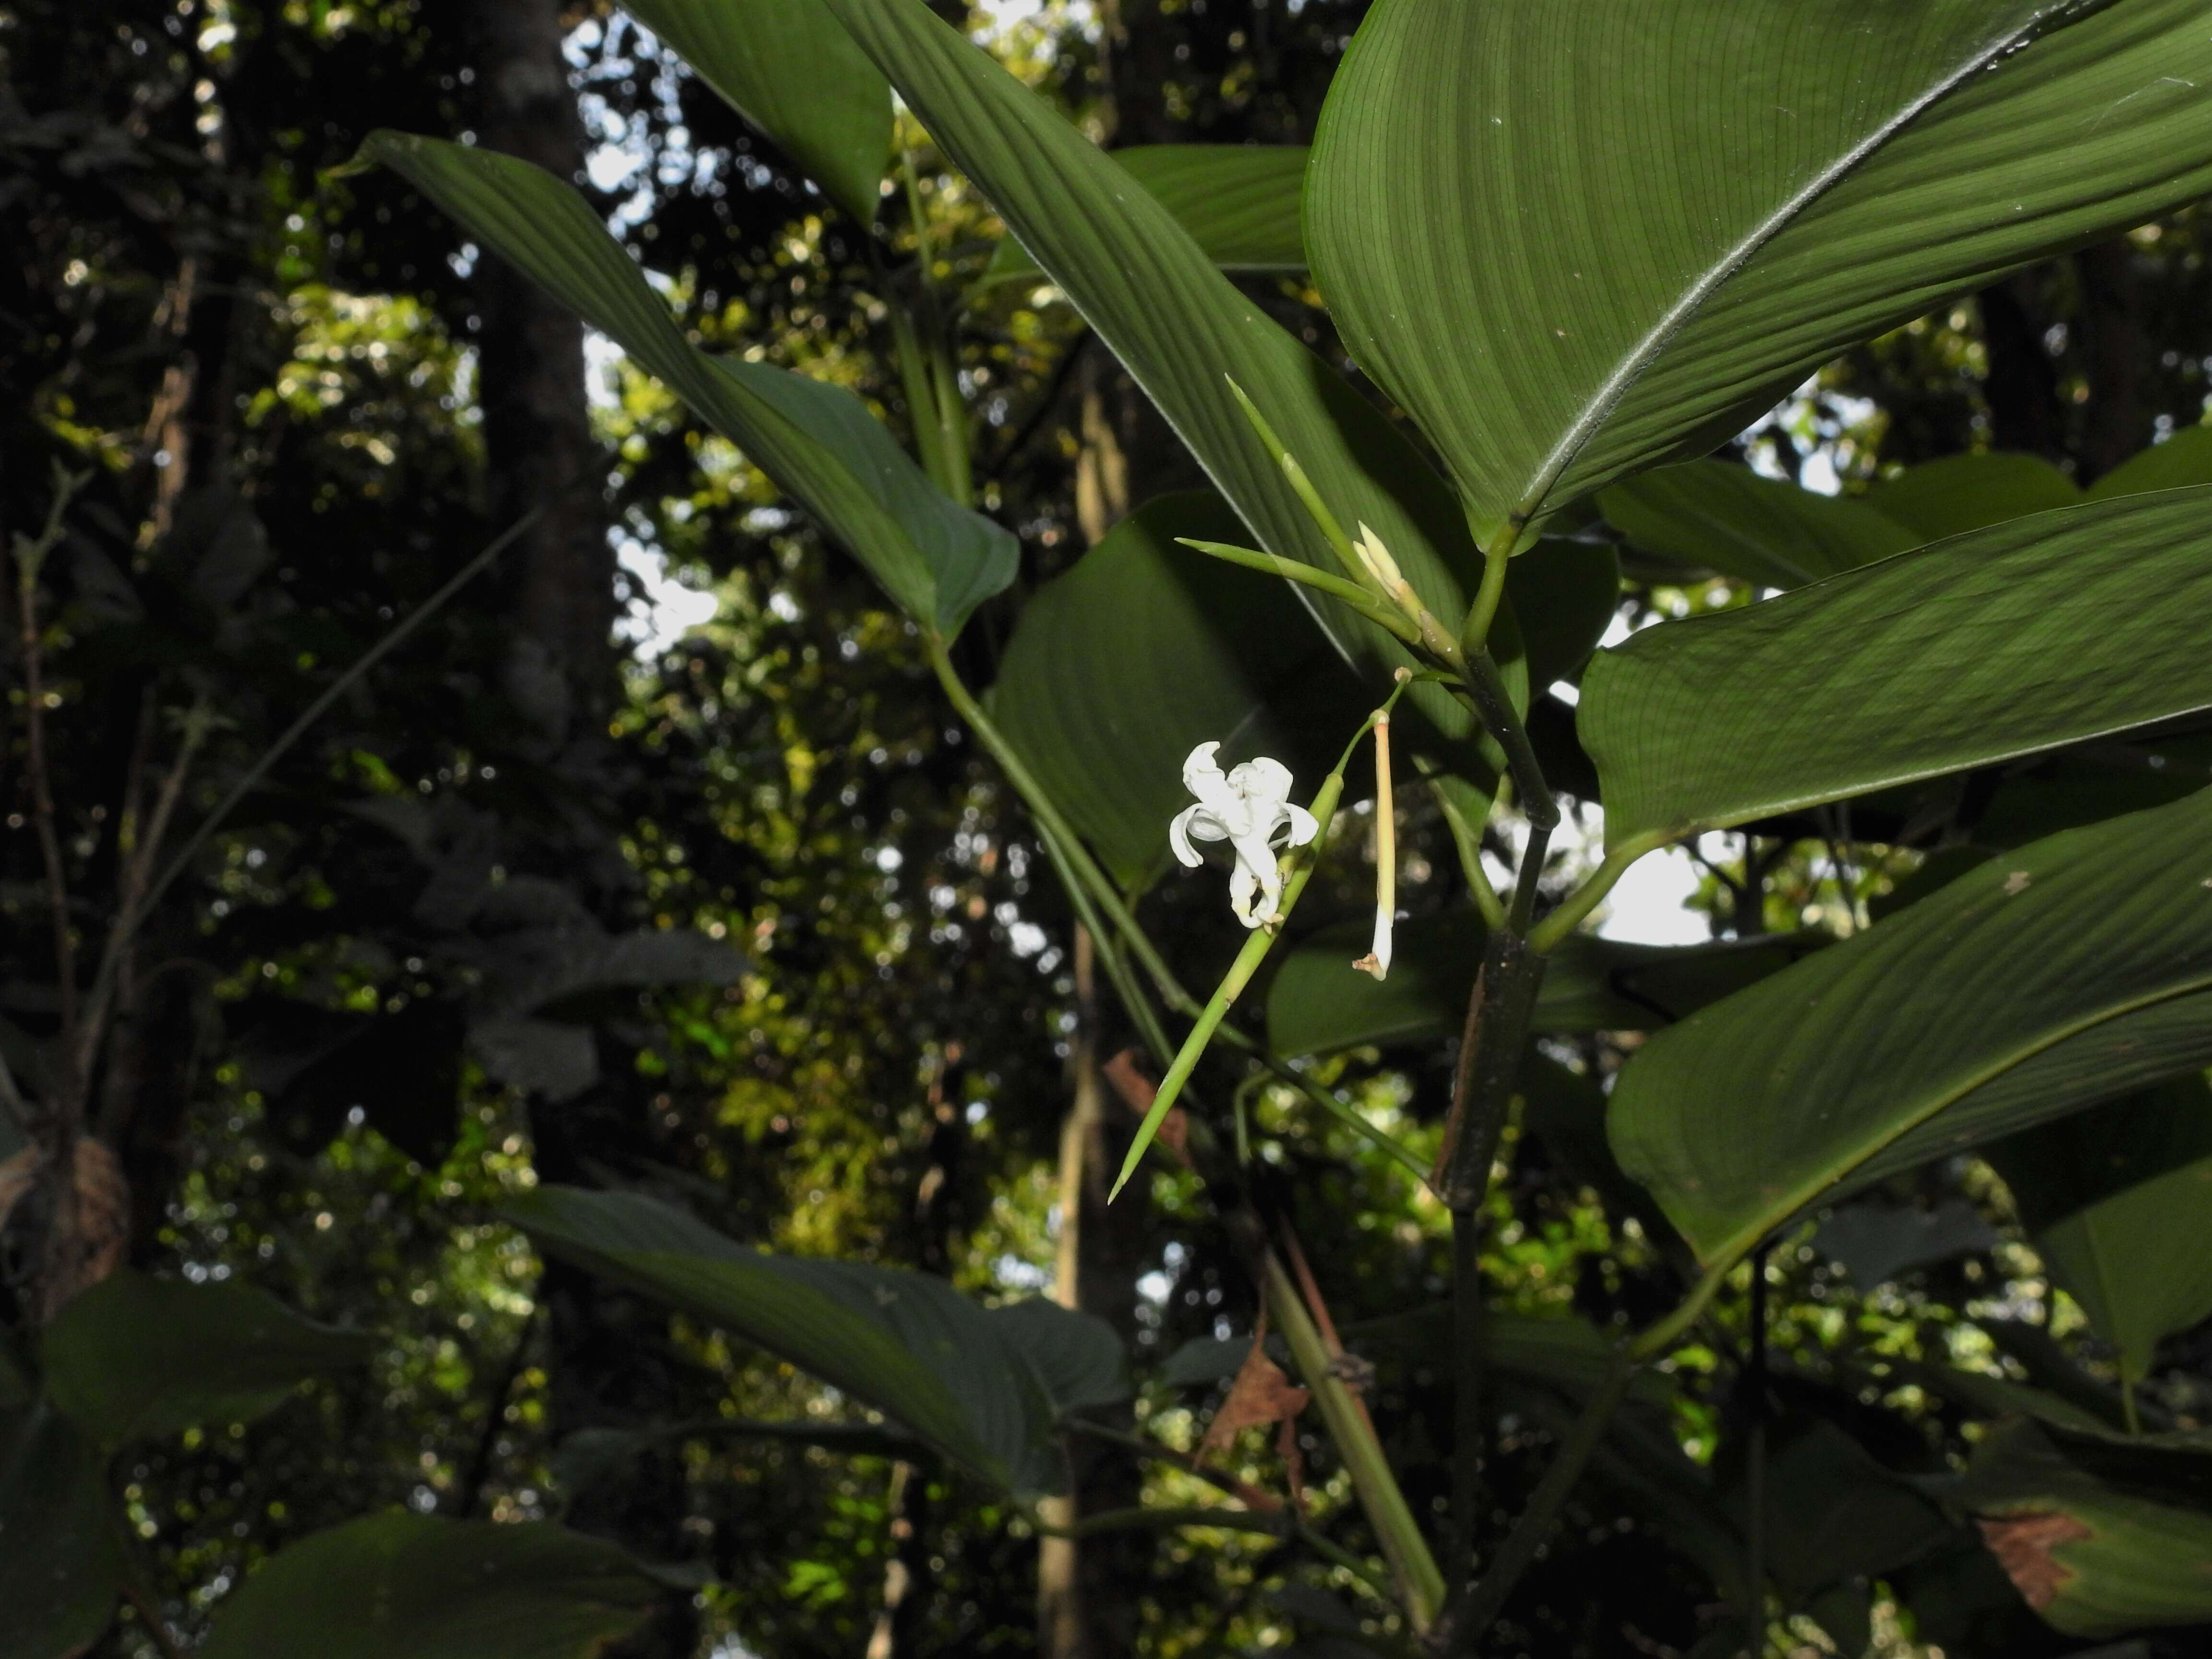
479, 1470
150, 1616
30, 557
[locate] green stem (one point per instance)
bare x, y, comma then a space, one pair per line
1497, 561
1466, 837
1550, 934
915, 381
1125, 984
2131, 1414
1486, 689
952, 418
1349, 1117
1412, 1568
1317, 509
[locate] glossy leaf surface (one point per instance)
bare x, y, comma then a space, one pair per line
420, 1587
2119, 1201
1185, 332
1122, 665
981, 1386
2058, 977
2047, 630
1242, 203
817, 441
138, 1358
1574, 238
787, 68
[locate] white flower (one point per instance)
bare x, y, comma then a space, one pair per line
1250, 809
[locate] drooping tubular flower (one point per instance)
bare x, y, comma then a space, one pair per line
1250, 808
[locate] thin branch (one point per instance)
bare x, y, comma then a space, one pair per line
149, 1615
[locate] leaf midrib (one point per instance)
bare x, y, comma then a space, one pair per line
1633, 366
1739, 1245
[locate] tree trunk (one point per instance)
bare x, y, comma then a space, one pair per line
2119, 351
2022, 386
1089, 1589
537, 433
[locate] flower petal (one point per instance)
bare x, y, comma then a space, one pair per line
1243, 884
1303, 826
1192, 820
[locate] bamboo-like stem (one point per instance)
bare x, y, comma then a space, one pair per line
1420, 1586
1496, 1034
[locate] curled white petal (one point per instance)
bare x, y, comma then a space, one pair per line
1303, 828
1179, 834
1243, 884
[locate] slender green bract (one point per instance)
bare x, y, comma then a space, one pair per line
2052, 978
1576, 237
2030, 634
787, 68
817, 441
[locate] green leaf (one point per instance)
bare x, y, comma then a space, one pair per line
2052, 979
1721, 517
1574, 238
420, 1587
1959, 492
2184, 460
787, 68
1876, 1241
61, 1568
1565, 595
1838, 1513
2119, 1203
1240, 203
1144, 650
140, 1358
984, 1387
819, 442
2045, 631
2100, 1545
1318, 1005
1185, 332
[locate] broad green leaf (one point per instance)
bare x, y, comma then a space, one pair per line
2055, 978
2119, 1203
419, 1587
61, 1568
1185, 332
1728, 519
984, 1387
1240, 203
1959, 492
817, 441
1121, 666
2090, 1541
2047, 630
139, 1358
1836, 1513
1318, 1005
787, 68
1876, 1241
1574, 238
2184, 460
1565, 595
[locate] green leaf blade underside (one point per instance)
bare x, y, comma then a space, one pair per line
421, 1587
1144, 650
1243, 204
1575, 239
1727, 518
139, 1358
787, 68
1184, 331
817, 441
2024, 637
1948, 497
963, 1378
2119, 1201
61, 1563
2048, 981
